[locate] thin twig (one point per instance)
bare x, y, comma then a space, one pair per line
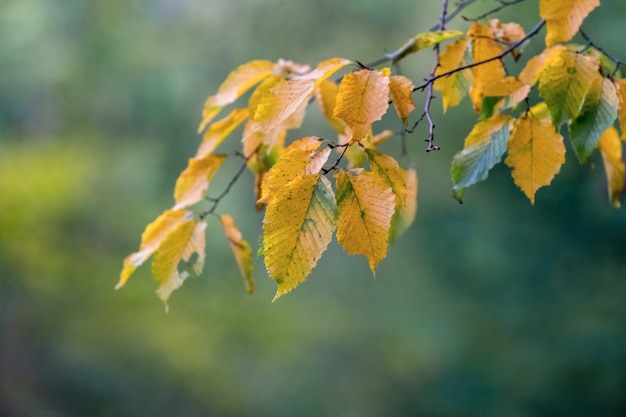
229, 186
590, 43
503, 5
345, 147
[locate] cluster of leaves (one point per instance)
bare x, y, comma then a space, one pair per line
312, 187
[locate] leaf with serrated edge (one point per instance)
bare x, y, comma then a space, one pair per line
536, 154
218, 131
401, 91
297, 159
365, 204
598, 114
387, 168
241, 249
611, 149
564, 17
297, 228
405, 214
565, 83
484, 147
455, 86
193, 182
238, 82
484, 47
426, 40
363, 98
151, 239
187, 239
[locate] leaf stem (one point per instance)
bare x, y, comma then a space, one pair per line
229, 186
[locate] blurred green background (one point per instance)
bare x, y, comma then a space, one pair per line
490, 308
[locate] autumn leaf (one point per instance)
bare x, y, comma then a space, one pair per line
598, 113
241, 249
455, 86
484, 147
356, 152
620, 87
534, 67
238, 82
297, 228
426, 40
220, 130
483, 47
365, 204
611, 149
507, 34
536, 153
193, 182
151, 239
362, 99
565, 82
324, 70
404, 215
387, 168
299, 158
564, 17
280, 102
326, 97
187, 239
401, 91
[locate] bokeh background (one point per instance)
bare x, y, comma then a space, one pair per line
490, 308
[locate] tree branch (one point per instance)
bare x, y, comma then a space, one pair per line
590, 43
503, 5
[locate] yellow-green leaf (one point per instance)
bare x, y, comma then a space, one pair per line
387, 168
218, 131
401, 91
564, 17
193, 182
365, 203
598, 113
426, 40
241, 250
405, 214
299, 158
536, 153
565, 82
238, 82
484, 148
454, 86
151, 240
363, 98
297, 228
611, 149
187, 239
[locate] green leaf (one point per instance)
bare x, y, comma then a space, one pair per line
484, 148
565, 83
599, 113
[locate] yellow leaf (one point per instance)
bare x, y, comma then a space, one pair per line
297, 228
564, 17
326, 96
363, 98
425, 40
387, 168
454, 86
324, 70
611, 150
241, 250
507, 34
401, 91
280, 102
261, 91
151, 239
536, 153
237, 83
218, 131
193, 182
484, 46
299, 158
186, 239
405, 213
365, 204
621, 93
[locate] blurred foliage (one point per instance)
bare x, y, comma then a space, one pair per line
492, 308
